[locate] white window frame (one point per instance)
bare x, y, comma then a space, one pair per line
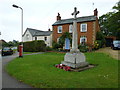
83, 37
70, 28
81, 27
59, 27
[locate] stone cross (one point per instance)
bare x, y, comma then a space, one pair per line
74, 34
75, 58
75, 12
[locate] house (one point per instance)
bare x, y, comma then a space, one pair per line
87, 27
34, 34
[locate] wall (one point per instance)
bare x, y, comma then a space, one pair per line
25, 37
89, 34
48, 42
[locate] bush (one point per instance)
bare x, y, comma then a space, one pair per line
96, 45
34, 46
55, 45
100, 39
48, 48
83, 48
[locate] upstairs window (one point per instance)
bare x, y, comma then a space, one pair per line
45, 38
70, 28
59, 29
83, 27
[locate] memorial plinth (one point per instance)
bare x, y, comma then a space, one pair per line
75, 60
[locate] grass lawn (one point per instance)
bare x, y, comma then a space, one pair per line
29, 52
39, 71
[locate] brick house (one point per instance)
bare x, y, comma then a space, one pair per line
87, 27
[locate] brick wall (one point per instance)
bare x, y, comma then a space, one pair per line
92, 28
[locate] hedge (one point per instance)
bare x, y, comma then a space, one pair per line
34, 46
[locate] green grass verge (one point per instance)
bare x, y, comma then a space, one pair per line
39, 71
29, 52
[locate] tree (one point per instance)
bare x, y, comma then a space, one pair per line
110, 22
62, 38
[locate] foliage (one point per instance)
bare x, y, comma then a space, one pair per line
83, 48
110, 22
34, 46
48, 48
96, 45
38, 71
55, 45
5, 44
100, 39
62, 38
13, 43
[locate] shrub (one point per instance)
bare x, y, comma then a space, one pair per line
34, 46
48, 48
55, 45
83, 48
100, 39
63, 37
96, 45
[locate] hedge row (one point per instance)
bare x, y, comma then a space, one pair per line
34, 46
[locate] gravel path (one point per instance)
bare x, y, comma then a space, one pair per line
113, 53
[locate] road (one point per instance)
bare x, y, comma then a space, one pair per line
8, 81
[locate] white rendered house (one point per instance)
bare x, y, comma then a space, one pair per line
33, 34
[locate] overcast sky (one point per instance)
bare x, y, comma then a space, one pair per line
41, 14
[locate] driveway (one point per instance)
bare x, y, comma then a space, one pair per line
113, 53
8, 81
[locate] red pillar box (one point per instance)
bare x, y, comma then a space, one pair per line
20, 50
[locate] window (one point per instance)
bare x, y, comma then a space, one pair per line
59, 29
83, 28
45, 38
35, 38
70, 28
83, 39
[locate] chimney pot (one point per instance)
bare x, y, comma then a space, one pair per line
49, 29
58, 17
95, 12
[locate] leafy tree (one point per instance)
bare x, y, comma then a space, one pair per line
100, 39
110, 22
5, 44
62, 38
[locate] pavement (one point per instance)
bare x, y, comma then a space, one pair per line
8, 81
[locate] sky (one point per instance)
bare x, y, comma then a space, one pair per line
41, 14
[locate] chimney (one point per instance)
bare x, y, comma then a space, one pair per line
95, 12
58, 17
49, 29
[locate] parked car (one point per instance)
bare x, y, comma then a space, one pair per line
115, 44
6, 51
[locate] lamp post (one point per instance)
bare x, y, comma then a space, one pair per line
21, 46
